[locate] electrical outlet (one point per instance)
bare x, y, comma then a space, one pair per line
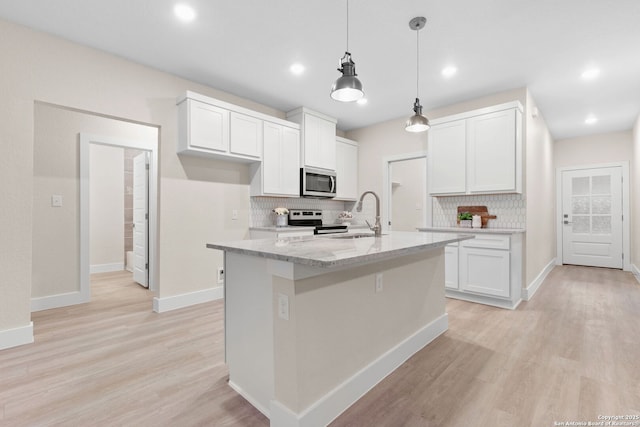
220, 275
234, 214
56, 201
378, 282
283, 306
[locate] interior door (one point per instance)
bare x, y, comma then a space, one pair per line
592, 217
408, 194
141, 219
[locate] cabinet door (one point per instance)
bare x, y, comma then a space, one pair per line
281, 159
346, 171
446, 155
245, 135
491, 152
319, 142
451, 266
484, 271
208, 126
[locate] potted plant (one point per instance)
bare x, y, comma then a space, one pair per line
464, 219
281, 216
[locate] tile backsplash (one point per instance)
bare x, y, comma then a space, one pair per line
510, 209
261, 214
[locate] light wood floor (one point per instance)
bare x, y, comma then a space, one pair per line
570, 354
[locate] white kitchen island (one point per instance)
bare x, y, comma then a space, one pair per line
313, 323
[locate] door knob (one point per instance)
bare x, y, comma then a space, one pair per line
567, 222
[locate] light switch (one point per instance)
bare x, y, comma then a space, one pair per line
56, 201
234, 214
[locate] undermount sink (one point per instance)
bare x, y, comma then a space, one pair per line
351, 235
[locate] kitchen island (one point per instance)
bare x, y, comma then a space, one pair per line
312, 323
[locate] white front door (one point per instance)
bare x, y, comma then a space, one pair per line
140, 219
592, 217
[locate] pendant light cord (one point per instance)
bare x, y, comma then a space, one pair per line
347, 25
418, 63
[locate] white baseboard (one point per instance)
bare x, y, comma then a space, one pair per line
59, 300
106, 268
342, 397
160, 305
16, 336
528, 292
635, 271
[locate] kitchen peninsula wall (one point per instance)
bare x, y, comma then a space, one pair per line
510, 209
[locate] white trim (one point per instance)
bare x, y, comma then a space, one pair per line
106, 268
256, 404
529, 291
160, 305
342, 397
427, 207
17, 336
626, 212
636, 272
85, 141
59, 300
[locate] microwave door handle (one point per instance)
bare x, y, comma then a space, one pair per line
333, 184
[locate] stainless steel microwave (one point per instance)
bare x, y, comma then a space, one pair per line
317, 183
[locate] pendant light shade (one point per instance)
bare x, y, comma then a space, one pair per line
418, 122
347, 88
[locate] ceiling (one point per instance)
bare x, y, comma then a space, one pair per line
246, 47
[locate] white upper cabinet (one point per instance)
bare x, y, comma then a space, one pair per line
213, 128
204, 127
279, 172
318, 138
447, 163
478, 152
346, 169
245, 135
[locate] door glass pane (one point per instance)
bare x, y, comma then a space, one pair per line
601, 184
581, 224
601, 224
601, 205
580, 186
580, 205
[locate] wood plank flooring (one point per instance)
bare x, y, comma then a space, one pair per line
570, 354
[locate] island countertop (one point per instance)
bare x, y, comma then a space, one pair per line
334, 250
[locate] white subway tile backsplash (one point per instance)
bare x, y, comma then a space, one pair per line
261, 214
510, 209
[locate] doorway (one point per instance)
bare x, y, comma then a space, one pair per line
145, 255
407, 204
593, 216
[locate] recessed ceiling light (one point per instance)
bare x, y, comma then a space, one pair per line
590, 120
297, 69
449, 71
184, 12
362, 101
590, 73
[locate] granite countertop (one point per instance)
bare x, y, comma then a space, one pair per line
329, 251
466, 230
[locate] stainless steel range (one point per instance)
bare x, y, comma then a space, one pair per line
313, 218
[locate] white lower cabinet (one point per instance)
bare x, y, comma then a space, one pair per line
487, 269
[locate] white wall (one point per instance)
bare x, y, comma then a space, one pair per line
196, 195
635, 197
106, 206
540, 238
593, 149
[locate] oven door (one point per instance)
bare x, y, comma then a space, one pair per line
317, 183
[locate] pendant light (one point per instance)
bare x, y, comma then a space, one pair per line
347, 88
417, 122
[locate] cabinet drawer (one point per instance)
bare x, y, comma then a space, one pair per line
489, 241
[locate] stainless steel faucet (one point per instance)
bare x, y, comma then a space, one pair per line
377, 227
